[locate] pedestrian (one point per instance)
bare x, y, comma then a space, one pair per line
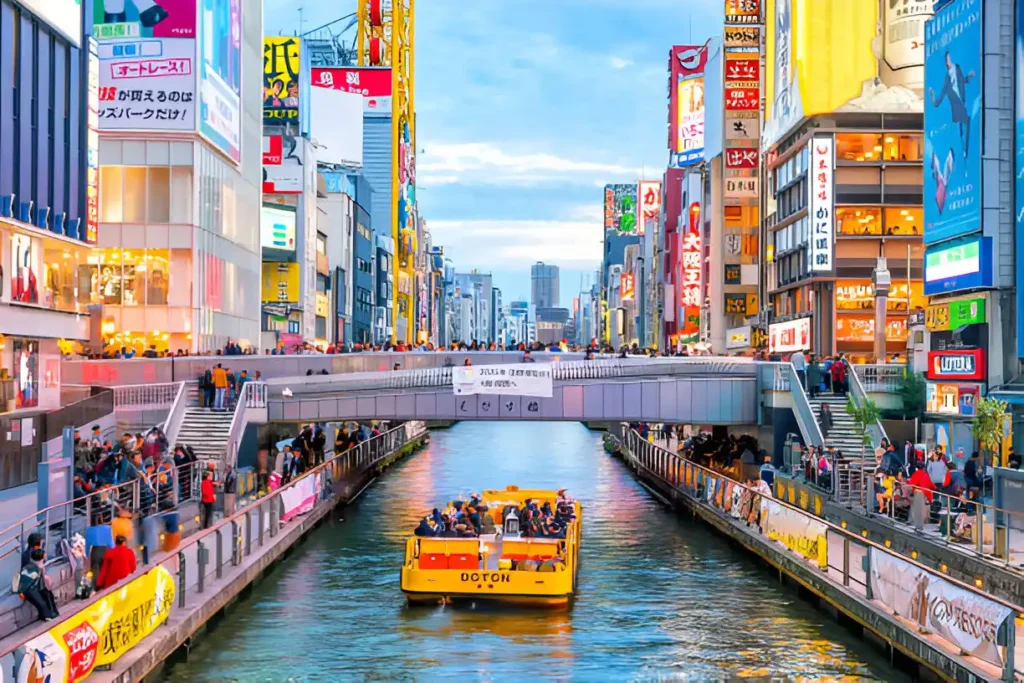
813, 377
207, 498
825, 419
800, 365
34, 586
118, 563
35, 542
230, 484
220, 383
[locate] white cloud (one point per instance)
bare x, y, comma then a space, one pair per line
514, 244
484, 163
593, 213
619, 62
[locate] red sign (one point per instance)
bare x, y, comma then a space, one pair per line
740, 158
83, 645
965, 364
744, 70
742, 99
690, 289
627, 286
365, 82
688, 60
273, 150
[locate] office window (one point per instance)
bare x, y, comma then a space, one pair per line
859, 147
903, 147
907, 220
856, 221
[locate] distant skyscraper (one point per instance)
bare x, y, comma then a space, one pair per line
544, 285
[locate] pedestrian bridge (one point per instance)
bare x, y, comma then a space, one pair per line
685, 390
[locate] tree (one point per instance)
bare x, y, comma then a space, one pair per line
987, 427
911, 390
864, 417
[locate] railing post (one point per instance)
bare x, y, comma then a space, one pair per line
846, 560
220, 553
181, 580
248, 533
274, 516
236, 543
260, 509
1010, 634
201, 560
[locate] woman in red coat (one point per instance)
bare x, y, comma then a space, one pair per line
118, 563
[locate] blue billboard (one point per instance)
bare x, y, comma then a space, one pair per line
1019, 190
220, 75
952, 122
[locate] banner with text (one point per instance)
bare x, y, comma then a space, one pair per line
526, 379
147, 84
799, 532
102, 632
966, 619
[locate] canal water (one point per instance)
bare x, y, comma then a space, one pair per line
659, 594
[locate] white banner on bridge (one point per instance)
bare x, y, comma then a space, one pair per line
966, 619
521, 379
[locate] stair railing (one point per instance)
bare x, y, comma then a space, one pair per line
253, 399
176, 416
876, 432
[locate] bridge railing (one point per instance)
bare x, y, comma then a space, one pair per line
880, 377
227, 544
625, 368
843, 557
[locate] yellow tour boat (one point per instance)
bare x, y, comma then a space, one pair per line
527, 552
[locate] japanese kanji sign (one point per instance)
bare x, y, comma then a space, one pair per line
281, 79
692, 261
742, 11
523, 379
147, 84
649, 196
740, 157
821, 204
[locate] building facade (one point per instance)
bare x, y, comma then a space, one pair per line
544, 285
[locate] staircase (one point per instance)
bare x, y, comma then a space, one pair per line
843, 436
206, 432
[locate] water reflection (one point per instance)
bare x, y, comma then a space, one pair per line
659, 594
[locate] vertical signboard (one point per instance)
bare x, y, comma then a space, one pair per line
742, 12
1019, 194
821, 205
620, 208
686, 104
220, 76
281, 68
952, 122
692, 267
92, 160
649, 196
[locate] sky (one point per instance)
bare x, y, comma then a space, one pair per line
525, 110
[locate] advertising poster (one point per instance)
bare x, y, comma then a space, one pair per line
280, 283
100, 634
962, 264
1019, 194
281, 67
952, 122
967, 620
283, 166
220, 76
147, 84
373, 83
92, 162
63, 15
144, 19
742, 11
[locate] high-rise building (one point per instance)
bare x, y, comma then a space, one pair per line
479, 286
544, 285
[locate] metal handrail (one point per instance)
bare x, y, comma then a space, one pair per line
406, 432
875, 432
254, 395
879, 377
131, 395
634, 436
172, 425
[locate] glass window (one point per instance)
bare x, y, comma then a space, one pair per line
904, 147
181, 195
60, 277
858, 220
26, 373
25, 269
158, 194
858, 147
133, 275
155, 273
906, 220
134, 194
111, 194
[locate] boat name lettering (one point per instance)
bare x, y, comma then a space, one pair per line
493, 577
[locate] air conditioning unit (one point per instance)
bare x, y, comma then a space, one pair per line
7, 205
25, 212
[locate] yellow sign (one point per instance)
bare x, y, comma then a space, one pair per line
323, 305
98, 635
818, 55
281, 67
280, 283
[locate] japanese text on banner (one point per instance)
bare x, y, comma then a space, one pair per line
507, 380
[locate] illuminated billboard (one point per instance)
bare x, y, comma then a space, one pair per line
620, 208
822, 59
281, 67
649, 198
686, 104
277, 228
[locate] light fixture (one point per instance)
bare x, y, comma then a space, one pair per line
943, 568
888, 138
903, 212
978, 582
913, 554
878, 148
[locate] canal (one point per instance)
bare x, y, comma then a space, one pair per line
659, 595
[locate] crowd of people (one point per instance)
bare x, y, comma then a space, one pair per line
462, 519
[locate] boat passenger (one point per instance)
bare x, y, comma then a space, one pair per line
425, 528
